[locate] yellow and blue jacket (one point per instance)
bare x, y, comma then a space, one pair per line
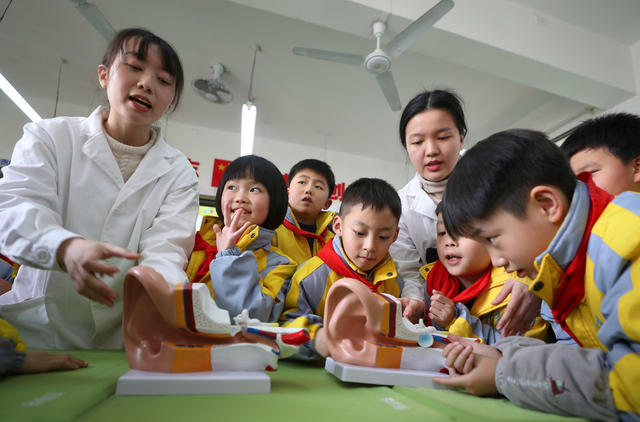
305, 301
608, 315
12, 348
296, 246
253, 275
481, 320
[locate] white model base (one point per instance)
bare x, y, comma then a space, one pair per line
136, 383
383, 376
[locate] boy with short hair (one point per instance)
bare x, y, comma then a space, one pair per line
307, 225
581, 248
461, 286
365, 227
608, 147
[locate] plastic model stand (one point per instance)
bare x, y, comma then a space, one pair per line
178, 341
370, 342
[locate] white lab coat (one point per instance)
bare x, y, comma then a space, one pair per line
63, 181
417, 233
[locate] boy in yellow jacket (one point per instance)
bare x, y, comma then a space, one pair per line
580, 247
307, 225
461, 286
366, 226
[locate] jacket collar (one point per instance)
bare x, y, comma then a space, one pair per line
564, 245
254, 238
323, 220
385, 269
419, 200
553, 262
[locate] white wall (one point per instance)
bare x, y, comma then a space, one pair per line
205, 144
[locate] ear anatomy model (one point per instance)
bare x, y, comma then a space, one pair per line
181, 329
367, 329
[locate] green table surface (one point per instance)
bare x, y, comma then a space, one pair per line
299, 392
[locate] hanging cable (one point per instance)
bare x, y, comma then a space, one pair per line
55, 107
253, 67
5, 10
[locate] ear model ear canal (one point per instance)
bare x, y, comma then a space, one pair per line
352, 315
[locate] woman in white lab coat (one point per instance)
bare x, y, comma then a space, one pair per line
432, 130
85, 199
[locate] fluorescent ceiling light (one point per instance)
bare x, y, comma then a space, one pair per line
18, 100
248, 128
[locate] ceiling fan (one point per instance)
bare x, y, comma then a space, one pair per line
378, 62
95, 17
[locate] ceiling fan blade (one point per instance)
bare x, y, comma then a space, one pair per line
332, 56
403, 40
388, 87
95, 17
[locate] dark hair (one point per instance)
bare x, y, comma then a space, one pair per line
437, 99
439, 208
263, 171
319, 167
498, 173
619, 133
374, 193
170, 60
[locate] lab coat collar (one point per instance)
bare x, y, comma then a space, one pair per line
419, 201
156, 162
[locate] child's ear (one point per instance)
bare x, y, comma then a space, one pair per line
337, 225
103, 75
327, 204
636, 169
550, 201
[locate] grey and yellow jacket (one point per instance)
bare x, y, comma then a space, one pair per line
600, 379
310, 284
481, 320
295, 245
253, 275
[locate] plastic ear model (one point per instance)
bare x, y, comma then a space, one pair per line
181, 329
367, 329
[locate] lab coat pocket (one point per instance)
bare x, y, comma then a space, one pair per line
30, 318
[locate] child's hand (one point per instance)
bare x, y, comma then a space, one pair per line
227, 236
459, 354
81, 260
479, 381
412, 309
35, 361
522, 309
320, 343
442, 309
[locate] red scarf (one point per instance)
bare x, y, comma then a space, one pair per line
304, 233
210, 254
439, 279
572, 287
329, 256
7, 260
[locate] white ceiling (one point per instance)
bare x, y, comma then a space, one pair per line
534, 63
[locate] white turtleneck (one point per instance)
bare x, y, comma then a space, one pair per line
434, 190
127, 156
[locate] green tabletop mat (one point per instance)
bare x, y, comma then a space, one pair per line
466, 407
65, 395
299, 391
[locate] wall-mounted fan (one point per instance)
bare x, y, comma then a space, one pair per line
378, 62
212, 89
